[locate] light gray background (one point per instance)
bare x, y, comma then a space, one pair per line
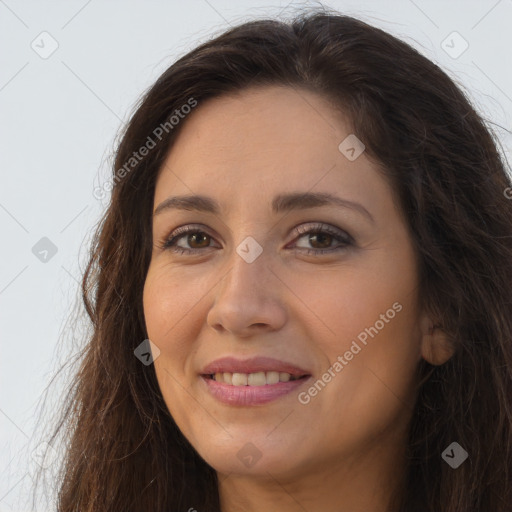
59, 117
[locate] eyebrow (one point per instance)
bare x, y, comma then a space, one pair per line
281, 203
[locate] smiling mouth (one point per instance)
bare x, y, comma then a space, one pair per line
253, 379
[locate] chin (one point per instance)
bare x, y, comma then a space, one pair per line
253, 455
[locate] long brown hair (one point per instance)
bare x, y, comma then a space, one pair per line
124, 451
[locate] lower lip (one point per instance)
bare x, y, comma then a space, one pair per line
251, 395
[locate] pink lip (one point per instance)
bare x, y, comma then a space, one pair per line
252, 365
251, 395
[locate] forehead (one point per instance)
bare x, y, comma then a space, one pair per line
258, 123
264, 141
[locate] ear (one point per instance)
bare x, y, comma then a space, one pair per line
436, 348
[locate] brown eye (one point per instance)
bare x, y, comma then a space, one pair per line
320, 240
198, 238
188, 240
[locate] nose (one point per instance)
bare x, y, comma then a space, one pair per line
248, 300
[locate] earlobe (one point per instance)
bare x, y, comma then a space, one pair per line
436, 348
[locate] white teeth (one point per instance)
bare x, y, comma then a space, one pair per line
272, 377
256, 379
239, 379
253, 379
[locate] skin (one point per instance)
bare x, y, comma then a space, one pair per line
344, 450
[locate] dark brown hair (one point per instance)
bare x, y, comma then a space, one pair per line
124, 451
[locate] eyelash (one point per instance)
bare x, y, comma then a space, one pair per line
341, 236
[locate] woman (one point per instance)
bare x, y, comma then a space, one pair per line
310, 223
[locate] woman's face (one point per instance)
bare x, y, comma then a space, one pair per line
334, 305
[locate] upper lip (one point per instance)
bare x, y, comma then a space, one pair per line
252, 365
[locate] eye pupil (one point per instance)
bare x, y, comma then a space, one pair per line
320, 238
193, 239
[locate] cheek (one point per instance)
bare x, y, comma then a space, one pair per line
367, 314
374, 389
341, 303
171, 309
